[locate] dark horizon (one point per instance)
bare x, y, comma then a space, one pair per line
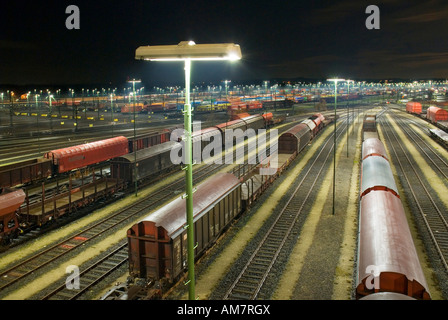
294, 40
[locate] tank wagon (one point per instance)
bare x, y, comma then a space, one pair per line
387, 258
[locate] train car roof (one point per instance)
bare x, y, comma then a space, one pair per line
172, 217
377, 174
386, 242
145, 153
298, 130
96, 145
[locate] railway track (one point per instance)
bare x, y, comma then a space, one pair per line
29, 266
253, 275
104, 266
429, 209
92, 275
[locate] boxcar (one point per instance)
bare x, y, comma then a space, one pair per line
75, 157
24, 172
150, 161
414, 107
295, 139
158, 243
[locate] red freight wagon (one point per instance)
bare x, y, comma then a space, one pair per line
70, 158
158, 243
10, 201
436, 114
268, 116
386, 249
414, 107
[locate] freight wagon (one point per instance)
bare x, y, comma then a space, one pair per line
10, 202
80, 156
436, 114
414, 107
158, 244
25, 172
387, 258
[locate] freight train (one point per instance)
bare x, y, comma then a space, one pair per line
388, 266
158, 243
115, 153
153, 161
56, 166
38, 169
435, 115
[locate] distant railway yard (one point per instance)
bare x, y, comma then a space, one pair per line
103, 200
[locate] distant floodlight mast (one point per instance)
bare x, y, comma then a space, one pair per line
134, 144
188, 51
335, 80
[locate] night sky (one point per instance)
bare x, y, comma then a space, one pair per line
278, 39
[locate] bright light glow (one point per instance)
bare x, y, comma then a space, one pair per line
335, 80
188, 50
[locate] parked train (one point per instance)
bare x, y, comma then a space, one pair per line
435, 115
118, 150
153, 161
38, 169
158, 243
388, 266
59, 163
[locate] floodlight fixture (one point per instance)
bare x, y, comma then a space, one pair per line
189, 50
